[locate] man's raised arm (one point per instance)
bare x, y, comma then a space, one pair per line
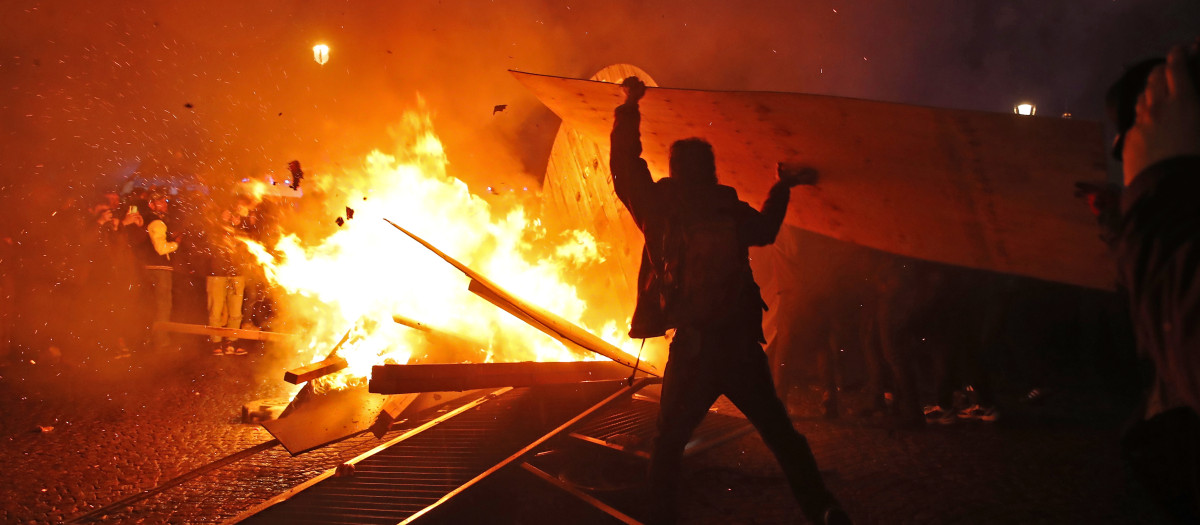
631, 176
763, 225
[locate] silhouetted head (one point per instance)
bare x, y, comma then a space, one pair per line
157, 202
1121, 99
692, 160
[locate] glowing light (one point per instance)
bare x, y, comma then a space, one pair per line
321, 53
1025, 108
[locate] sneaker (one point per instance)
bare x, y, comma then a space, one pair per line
936, 414
978, 412
1035, 397
219, 351
240, 351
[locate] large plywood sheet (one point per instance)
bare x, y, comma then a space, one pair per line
982, 190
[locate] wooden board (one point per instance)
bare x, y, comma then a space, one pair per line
404, 379
983, 190
569, 334
312, 420
312, 371
199, 329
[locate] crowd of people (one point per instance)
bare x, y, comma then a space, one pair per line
100, 276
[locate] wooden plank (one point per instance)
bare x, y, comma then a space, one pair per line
400, 379
450, 347
990, 191
390, 413
315, 419
570, 334
199, 329
315, 370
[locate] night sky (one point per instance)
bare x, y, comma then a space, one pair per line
95, 93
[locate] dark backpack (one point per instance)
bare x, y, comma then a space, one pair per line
703, 267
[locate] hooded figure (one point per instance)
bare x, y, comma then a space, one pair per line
695, 278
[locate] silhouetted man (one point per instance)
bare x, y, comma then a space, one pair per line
695, 278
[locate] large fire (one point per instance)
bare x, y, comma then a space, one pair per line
355, 279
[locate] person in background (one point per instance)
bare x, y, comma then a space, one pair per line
1156, 107
226, 281
155, 249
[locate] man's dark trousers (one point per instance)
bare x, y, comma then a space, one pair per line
705, 363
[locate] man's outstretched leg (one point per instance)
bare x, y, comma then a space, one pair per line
688, 390
747, 382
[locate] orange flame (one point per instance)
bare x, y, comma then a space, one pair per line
363, 273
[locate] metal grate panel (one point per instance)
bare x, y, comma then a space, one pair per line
630, 427
413, 474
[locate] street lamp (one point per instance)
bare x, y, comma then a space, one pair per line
321, 53
1025, 108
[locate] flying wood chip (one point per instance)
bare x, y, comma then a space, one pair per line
498, 108
340, 221
187, 105
349, 213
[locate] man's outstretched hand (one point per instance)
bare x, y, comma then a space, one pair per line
634, 89
797, 174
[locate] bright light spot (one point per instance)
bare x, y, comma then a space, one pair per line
321, 53
1025, 108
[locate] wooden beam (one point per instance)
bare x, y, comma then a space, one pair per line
451, 348
390, 413
401, 379
569, 334
199, 329
315, 370
331, 364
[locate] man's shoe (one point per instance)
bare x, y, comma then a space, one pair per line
1035, 397
938, 415
979, 413
836, 516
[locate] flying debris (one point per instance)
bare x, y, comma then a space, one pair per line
340, 221
498, 108
297, 174
349, 213
188, 105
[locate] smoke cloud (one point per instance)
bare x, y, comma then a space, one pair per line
215, 92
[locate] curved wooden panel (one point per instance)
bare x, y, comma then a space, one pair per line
990, 191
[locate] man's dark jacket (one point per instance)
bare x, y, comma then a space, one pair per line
657, 209
1159, 264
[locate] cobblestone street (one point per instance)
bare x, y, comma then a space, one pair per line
126, 425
